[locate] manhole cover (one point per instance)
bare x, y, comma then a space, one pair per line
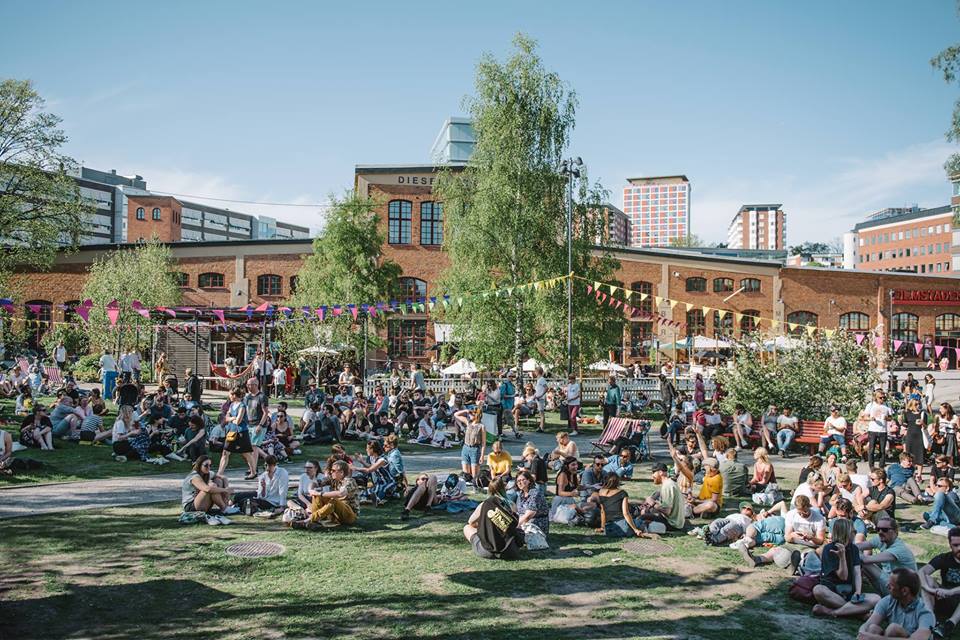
647, 547
255, 549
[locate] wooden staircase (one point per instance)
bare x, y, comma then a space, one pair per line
185, 349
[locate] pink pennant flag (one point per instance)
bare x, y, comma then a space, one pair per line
373, 312
589, 289
603, 297
896, 345
337, 311
218, 314
113, 312
35, 308
139, 308
83, 312
859, 338
354, 310
937, 349
263, 307
957, 351
320, 313
918, 346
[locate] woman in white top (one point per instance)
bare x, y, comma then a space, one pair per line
742, 427
877, 412
124, 430
573, 404
834, 430
929, 393
947, 424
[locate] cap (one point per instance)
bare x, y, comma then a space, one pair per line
711, 462
659, 467
746, 505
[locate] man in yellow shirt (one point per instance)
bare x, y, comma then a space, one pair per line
499, 462
710, 498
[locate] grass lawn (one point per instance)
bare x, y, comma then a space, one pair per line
134, 572
71, 462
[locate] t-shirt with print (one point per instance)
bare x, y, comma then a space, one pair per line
949, 570
878, 413
349, 485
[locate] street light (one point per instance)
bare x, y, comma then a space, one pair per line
571, 169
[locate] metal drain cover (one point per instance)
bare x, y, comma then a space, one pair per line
647, 547
255, 549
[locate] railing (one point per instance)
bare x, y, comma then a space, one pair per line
592, 389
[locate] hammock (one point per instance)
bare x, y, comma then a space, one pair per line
220, 371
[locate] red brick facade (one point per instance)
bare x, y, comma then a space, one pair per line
149, 216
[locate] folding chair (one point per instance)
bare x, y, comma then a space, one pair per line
615, 429
53, 375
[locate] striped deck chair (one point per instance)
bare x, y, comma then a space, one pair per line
24, 364
53, 375
616, 428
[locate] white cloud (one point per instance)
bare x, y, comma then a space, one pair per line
824, 206
191, 185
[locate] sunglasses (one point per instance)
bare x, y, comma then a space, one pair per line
882, 529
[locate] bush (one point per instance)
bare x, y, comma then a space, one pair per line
808, 378
87, 368
74, 339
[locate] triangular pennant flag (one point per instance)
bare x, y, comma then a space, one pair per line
139, 308
372, 311
957, 350
113, 312
596, 285
613, 289
218, 314
937, 349
859, 338
644, 296
35, 308
792, 325
688, 305
829, 332
353, 311
896, 345
722, 313
589, 289
918, 346
737, 317
263, 307
878, 342
810, 329
84, 312
673, 303
658, 300
337, 310
774, 325
321, 311
706, 309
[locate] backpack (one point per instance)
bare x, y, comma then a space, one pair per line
483, 478
802, 589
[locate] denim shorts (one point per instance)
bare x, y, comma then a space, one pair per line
470, 455
618, 529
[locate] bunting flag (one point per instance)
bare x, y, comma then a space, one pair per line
139, 308
34, 308
321, 311
896, 345
859, 338
262, 308
878, 342
937, 349
113, 312
354, 311
218, 314
918, 347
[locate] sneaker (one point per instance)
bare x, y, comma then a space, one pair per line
944, 629
263, 514
748, 557
213, 521
696, 531
405, 515
928, 524
328, 524
574, 434
119, 458
175, 457
223, 519
736, 544
297, 452
232, 510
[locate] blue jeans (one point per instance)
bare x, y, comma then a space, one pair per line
109, 383
945, 510
618, 529
785, 438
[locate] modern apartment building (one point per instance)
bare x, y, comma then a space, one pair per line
758, 226
658, 209
454, 144
126, 211
616, 227
903, 239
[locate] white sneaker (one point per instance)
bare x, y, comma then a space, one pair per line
297, 452
175, 457
231, 510
120, 458
736, 544
213, 521
263, 514
224, 520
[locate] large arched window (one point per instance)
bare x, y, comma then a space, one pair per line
641, 337
748, 323
156, 213
722, 285
948, 330
903, 326
723, 327
696, 284
696, 323
182, 279
269, 284
411, 289
210, 280
750, 285
141, 214
431, 223
802, 318
399, 213
855, 321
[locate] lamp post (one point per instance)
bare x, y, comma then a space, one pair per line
571, 169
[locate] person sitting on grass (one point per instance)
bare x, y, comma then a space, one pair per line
619, 465
493, 527
945, 511
592, 477
91, 428
763, 471
311, 478
336, 506
710, 499
129, 437
6, 452
944, 598
840, 578
566, 448
805, 525
889, 553
195, 439
843, 508
200, 492
499, 462
391, 451
734, 474
36, 430
881, 502
535, 464
24, 404
66, 418
616, 521
531, 504
567, 489
377, 472
901, 613
902, 480
666, 505
421, 496
272, 488
816, 490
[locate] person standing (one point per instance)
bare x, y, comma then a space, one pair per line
573, 403
508, 395
540, 396
135, 364
60, 355
416, 378
877, 412
929, 392
611, 400
126, 371
108, 368
280, 382
194, 386
914, 419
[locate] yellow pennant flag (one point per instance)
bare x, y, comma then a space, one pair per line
774, 324
644, 296
673, 303
688, 305
737, 317
722, 313
612, 288
658, 300
706, 309
596, 286
792, 325
810, 329
830, 332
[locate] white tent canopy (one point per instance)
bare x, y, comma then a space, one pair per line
781, 343
530, 365
319, 350
459, 368
698, 343
602, 365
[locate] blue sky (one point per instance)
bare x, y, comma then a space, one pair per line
831, 108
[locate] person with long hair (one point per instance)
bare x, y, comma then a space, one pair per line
763, 471
568, 491
378, 473
309, 479
238, 436
841, 580
474, 441
492, 529
531, 504
913, 420
616, 520
200, 492
929, 392
947, 423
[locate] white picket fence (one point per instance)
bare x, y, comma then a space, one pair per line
592, 388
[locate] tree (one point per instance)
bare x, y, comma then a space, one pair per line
506, 222
808, 378
347, 265
144, 273
41, 210
690, 240
809, 248
948, 63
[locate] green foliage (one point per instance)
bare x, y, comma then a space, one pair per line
948, 63
808, 248
346, 266
87, 368
808, 378
74, 338
690, 240
144, 273
41, 210
506, 221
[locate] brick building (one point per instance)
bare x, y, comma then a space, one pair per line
903, 239
925, 308
758, 226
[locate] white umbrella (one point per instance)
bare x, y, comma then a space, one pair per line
781, 343
318, 350
531, 364
459, 368
607, 366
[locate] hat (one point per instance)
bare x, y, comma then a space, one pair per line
746, 504
781, 557
659, 467
711, 462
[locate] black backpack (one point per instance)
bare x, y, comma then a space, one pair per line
484, 478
